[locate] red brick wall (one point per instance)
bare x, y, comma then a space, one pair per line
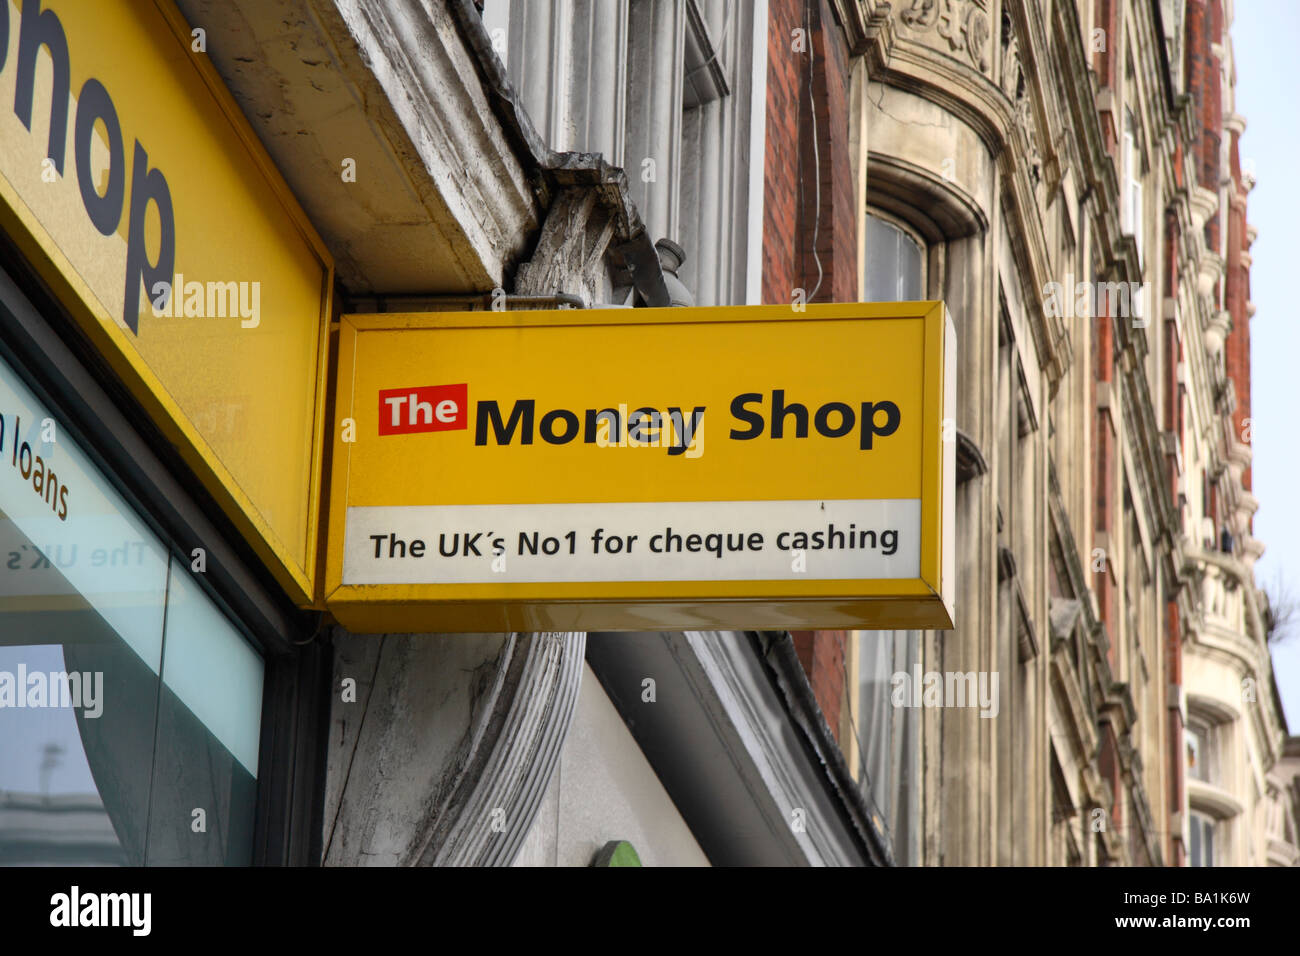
807, 157
807, 151
822, 655
1103, 61
1203, 26
781, 157
1107, 20
836, 232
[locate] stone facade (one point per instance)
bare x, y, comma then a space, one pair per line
1069, 172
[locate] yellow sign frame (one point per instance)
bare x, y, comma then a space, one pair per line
924, 602
299, 578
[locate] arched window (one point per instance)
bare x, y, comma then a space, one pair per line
895, 269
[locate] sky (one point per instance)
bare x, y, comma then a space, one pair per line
1264, 40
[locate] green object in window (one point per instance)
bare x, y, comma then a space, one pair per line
617, 853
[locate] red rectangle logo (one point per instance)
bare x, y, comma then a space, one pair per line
425, 408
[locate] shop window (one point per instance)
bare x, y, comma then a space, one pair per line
130, 705
895, 267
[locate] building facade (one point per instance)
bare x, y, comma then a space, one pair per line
1063, 174
1066, 176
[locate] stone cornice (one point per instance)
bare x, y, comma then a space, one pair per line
1213, 800
437, 116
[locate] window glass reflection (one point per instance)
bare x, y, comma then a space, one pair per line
209, 726
84, 595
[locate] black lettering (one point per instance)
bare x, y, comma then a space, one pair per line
889, 542
686, 428
643, 426
41, 28
4, 34
148, 185
93, 104
548, 426
824, 415
740, 413
521, 418
613, 422
869, 428
779, 412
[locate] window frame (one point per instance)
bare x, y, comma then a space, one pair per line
55, 361
1133, 158
1207, 828
903, 226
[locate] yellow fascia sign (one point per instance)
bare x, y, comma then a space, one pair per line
131, 181
628, 469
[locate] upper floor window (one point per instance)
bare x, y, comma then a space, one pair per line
1202, 744
1200, 851
1131, 201
1197, 754
895, 269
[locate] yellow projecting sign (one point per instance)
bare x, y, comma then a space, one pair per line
738, 467
130, 180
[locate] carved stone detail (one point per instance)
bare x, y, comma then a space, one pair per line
964, 24
1016, 87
